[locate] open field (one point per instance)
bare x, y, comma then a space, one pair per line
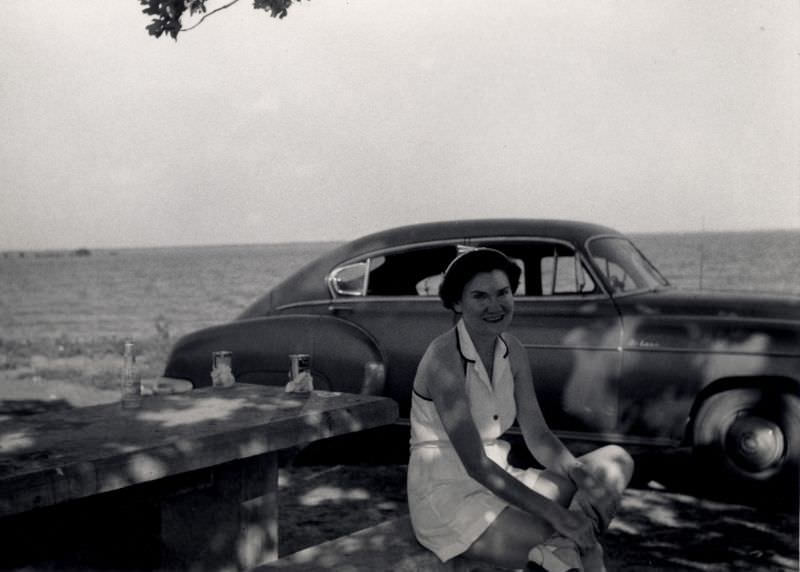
51, 374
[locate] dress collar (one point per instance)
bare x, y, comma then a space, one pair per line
467, 348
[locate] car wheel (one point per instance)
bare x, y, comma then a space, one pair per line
749, 438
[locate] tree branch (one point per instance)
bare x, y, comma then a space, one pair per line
214, 11
167, 14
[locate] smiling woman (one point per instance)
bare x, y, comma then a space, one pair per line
472, 383
486, 307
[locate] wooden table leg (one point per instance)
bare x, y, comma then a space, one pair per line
227, 522
113, 531
223, 518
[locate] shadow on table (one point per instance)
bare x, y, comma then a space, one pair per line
106, 488
10, 408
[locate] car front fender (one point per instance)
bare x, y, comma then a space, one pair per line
261, 347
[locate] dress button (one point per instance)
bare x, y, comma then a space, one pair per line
496, 417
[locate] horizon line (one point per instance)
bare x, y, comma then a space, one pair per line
75, 250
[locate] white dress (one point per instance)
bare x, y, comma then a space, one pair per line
450, 510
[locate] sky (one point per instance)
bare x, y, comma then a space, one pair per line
350, 116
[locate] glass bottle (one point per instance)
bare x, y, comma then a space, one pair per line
374, 378
131, 380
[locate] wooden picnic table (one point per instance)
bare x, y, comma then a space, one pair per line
187, 482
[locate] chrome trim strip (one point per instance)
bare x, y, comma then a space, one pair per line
592, 437
302, 304
405, 247
661, 349
617, 438
571, 348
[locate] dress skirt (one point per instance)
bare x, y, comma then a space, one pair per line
450, 510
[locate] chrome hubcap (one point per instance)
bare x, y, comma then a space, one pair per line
754, 443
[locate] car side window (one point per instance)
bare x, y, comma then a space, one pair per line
548, 268
624, 266
562, 273
617, 277
350, 280
429, 286
414, 272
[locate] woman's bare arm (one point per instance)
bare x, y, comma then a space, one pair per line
447, 389
543, 444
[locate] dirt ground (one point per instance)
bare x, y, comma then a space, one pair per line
654, 530
341, 487
327, 493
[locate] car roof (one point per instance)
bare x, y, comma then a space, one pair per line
572, 231
308, 283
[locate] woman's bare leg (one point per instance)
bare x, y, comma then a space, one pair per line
608, 471
612, 465
509, 539
611, 468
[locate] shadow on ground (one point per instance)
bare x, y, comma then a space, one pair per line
667, 521
659, 530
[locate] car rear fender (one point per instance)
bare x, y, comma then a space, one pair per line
771, 384
261, 348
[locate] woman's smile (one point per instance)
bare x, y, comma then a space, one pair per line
487, 304
494, 318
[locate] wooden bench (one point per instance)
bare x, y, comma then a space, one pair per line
390, 545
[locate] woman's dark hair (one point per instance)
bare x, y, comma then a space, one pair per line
464, 267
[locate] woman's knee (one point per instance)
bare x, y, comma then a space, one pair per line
623, 461
629, 465
612, 464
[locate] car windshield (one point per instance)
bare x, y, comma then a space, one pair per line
623, 266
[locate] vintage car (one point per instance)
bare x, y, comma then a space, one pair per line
618, 355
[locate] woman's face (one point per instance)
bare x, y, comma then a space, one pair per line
487, 303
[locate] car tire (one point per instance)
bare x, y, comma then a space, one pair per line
750, 439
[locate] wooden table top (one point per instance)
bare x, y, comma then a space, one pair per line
57, 456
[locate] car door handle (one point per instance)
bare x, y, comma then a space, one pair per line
340, 309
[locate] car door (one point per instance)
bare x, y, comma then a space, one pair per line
571, 330
393, 294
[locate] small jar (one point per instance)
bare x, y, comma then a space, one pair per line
222, 369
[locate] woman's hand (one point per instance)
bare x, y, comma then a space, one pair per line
576, 527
